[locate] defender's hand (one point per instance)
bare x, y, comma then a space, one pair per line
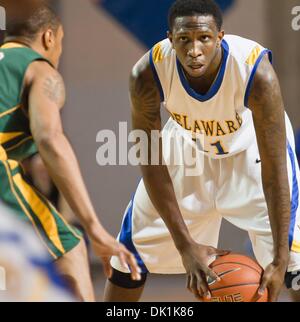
273, 279
195, 259
106, 246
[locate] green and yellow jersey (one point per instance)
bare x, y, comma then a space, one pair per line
15, 137
16, 144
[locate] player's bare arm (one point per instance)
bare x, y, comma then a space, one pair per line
268, 113
45, 100
145, 99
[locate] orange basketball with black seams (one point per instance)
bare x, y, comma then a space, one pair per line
240, 280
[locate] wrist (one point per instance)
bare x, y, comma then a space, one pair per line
280, 261
95, 231
184, 243
281, 258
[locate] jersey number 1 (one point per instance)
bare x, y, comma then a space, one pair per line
220, 149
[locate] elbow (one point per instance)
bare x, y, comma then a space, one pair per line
48, 143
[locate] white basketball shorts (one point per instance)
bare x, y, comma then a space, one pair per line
229, 188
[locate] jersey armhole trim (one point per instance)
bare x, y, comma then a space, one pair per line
253, 72
295, 195
156, 78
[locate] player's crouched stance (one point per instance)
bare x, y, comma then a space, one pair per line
225, 88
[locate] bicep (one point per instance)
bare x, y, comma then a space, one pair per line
145, 97
267, 107
265, 95
46, 97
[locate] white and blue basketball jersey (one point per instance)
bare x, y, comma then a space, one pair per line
230, 184
221, 115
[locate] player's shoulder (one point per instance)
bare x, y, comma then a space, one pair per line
157, 55
161, 51
40, 69
243, 50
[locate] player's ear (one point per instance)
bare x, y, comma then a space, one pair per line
48, 39
221, 35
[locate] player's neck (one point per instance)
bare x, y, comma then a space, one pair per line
203, 84
21, 42
24, 42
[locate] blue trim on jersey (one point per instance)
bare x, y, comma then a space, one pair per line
126, 238
52, 273
42, 262
216, 85
156, 78
259, 59
295, 196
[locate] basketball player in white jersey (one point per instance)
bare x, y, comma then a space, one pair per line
225, 88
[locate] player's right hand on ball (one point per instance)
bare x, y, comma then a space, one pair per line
105, 246
195, 258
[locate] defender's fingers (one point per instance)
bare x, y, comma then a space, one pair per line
122, 259
107, 267
135, 269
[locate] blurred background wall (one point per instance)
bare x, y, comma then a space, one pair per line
99, 54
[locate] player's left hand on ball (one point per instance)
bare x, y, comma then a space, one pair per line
106, 247
273, 279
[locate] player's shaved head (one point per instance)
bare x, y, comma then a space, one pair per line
26, 18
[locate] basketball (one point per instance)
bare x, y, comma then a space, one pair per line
240, 280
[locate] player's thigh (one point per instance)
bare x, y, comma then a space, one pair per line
145, 234
29, 205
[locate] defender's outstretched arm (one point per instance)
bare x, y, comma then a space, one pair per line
46, 98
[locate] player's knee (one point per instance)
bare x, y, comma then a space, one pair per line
292, 281
124, 280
